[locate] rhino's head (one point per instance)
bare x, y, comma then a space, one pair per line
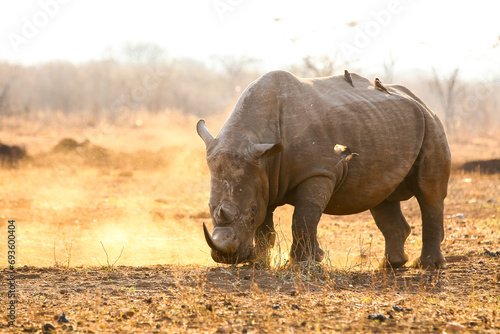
238, 196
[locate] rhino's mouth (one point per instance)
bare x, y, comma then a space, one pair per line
226, 248
238, 257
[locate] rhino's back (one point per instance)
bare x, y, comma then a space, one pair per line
386, 131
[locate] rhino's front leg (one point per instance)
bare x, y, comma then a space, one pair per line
392, 223
265, 237
310, 200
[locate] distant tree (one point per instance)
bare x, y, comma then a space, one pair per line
235, 68
144, 53
389, 66
4, 94
320, 66
136, 53
447, 92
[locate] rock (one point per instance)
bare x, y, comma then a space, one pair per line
295, 307
483, 318
161, 200
68, 328
379, 317
48, 328
453, 327
401, 309
126, 173
125, 314
62, 319
490, 253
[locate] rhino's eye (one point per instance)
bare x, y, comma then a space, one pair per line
254, 209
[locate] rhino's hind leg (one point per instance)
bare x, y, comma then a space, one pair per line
432, 235
393, 225
433, 172
310, 200
265, 237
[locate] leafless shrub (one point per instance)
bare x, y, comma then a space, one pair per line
141, 77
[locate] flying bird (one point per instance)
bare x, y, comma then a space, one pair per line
345, 153
381, 87
347, 77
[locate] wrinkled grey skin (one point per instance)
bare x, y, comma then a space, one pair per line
277, 147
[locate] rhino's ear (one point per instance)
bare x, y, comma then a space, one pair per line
202, 130
267, 150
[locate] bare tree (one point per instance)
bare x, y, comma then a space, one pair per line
236, 68
143, 53
389, 65
447, 92
4, 98
320, 66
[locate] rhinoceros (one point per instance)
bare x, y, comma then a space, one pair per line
278, 147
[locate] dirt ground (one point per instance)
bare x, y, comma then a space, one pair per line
109, 233
200, 299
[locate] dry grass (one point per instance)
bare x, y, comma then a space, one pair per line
148, 193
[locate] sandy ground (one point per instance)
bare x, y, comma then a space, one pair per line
109, 233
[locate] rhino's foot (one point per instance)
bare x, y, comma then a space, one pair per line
430, 262
300, 255
394, 261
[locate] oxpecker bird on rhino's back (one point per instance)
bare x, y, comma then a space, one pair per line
347, 77
380, 86
282, 144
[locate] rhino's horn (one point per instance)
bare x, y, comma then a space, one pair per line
202, 130
211, 243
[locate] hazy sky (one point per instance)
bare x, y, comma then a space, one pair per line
419, 34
